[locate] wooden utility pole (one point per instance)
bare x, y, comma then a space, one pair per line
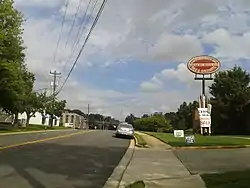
88, 117
54, 85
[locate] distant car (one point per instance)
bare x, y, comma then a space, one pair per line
125, 130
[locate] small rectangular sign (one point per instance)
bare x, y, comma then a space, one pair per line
190, 139
179, 133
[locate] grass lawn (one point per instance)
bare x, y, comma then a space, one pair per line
138, 184
234, 179
201, 140
140, 140
30, 128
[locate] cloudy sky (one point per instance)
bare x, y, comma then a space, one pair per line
135, 59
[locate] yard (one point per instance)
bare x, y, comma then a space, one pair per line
233, 179
201, 140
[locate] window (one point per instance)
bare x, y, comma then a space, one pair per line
67, 119
72, 118
55, 122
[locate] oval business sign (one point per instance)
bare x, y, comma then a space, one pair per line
203, 65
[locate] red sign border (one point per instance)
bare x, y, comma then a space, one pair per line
193, 59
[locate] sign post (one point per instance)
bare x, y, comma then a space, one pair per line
203, 67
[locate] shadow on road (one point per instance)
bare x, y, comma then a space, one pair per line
55, 165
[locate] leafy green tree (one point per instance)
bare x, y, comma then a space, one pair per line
53, 108
11, 52
32, 103
183, 118
173, 118
130, 119
231, 95
145, 116
153, 123
22, 93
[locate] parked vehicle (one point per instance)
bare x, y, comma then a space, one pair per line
125, 130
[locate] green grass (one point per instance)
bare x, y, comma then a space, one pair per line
30, 128
201, 140
140, 140
234, 179
138, 184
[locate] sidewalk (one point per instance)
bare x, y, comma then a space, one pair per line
158, 167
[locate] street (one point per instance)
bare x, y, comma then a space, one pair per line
83, 160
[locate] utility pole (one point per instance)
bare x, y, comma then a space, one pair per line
88, 117
103, 122
55, 74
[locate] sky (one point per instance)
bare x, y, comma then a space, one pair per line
135, 60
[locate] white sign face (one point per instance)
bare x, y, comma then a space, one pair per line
205, 122
179, 133
190, 139
205, 117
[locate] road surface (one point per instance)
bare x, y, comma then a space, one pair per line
81, 160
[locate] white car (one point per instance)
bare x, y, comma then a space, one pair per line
125, 130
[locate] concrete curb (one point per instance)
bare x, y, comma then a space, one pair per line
139, 145
114, 180
28, 132
200, 147
210, 147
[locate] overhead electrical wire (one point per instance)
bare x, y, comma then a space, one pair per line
70, 31
80, 31
84, 44
73, 23
77, 38
60, 33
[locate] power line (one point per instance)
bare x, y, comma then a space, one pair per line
80, 32
74, 20
77, 38
60, 33
84, 44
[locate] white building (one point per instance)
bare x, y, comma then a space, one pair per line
38, 119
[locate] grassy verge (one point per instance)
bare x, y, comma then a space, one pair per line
232, 179
30, 128
201, 140
138, 184
140, 141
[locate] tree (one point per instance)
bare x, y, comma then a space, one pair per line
231, 95
145, 116
11, 53
79, 112
173, 118
130, 119
23, 90
183, 118
32, 103
53, 108
153, 123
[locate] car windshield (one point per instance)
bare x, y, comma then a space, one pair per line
125, 126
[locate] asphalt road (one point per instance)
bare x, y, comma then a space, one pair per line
83, 160
214, 160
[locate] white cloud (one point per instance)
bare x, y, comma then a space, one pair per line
154, 84
144, 30
227, 45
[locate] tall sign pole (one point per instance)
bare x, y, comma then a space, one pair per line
203, 67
